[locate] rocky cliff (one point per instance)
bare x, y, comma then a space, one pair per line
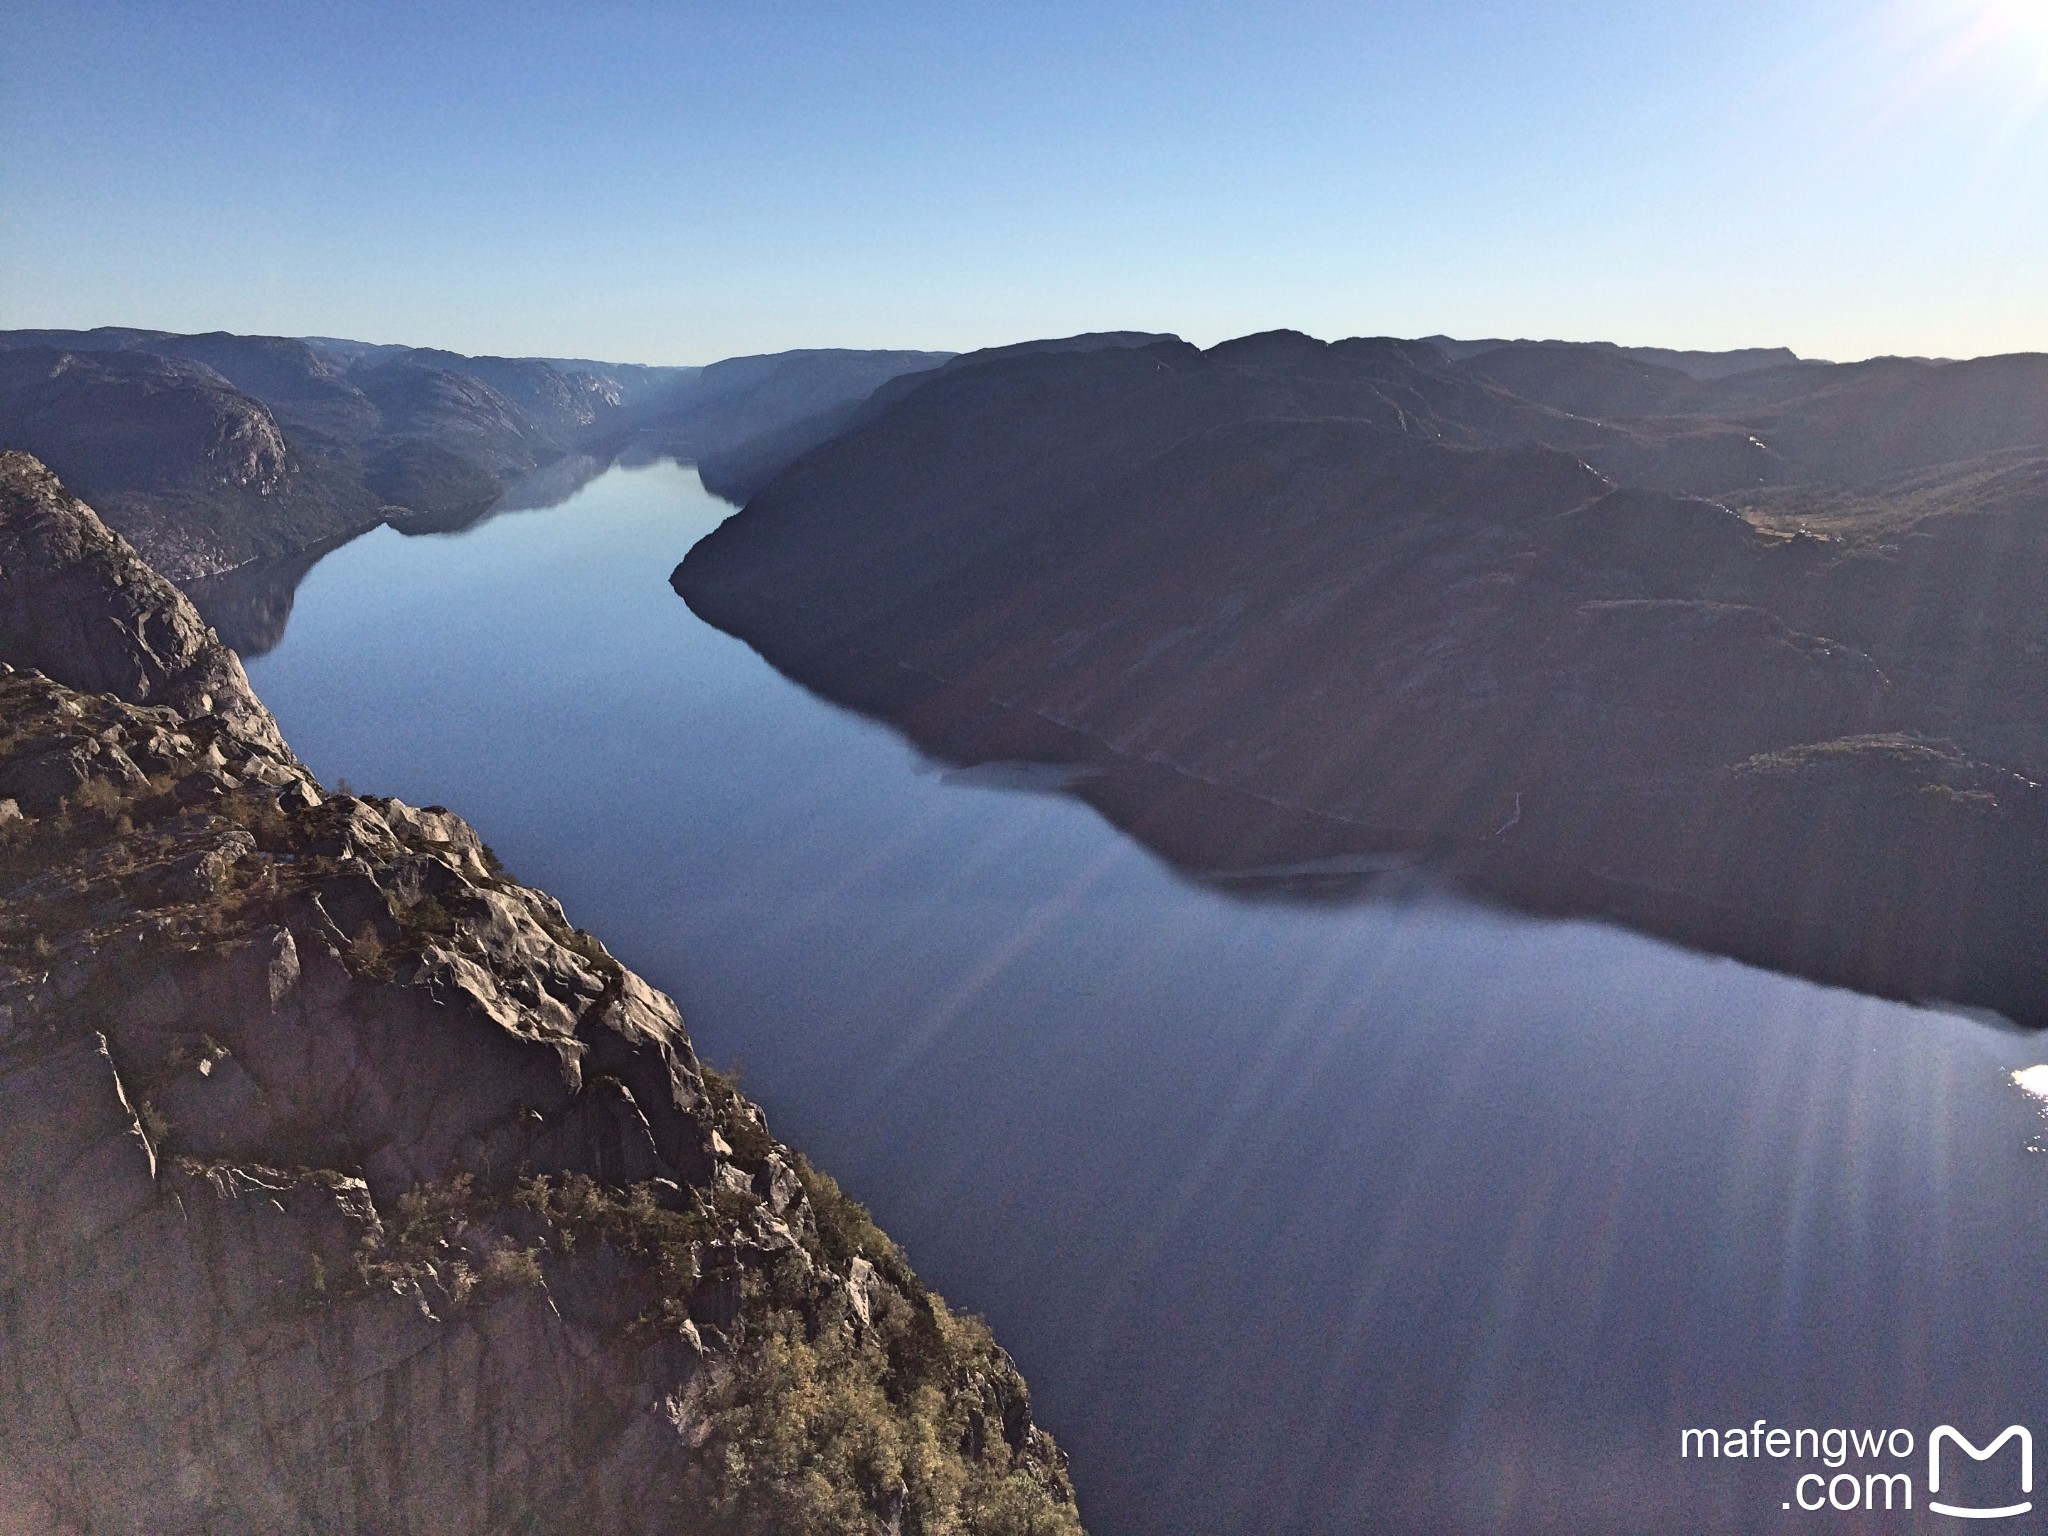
1308, 607
345, 1185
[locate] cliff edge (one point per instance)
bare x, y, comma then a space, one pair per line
346, 1185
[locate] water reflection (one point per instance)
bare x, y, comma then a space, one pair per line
1393, 1215
251, 605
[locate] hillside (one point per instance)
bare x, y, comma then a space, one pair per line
1299, 602
215, 451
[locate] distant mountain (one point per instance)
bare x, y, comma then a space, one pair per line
1757, 663
214, 451
1697, 365
1589, 381
751, 411
638, 384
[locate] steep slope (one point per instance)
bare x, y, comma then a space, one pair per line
149, 422
1298, 603
345, 1185
736, 470
744, 410
197, 472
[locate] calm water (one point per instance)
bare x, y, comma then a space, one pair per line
1396, 1216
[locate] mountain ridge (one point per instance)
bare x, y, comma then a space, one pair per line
353, 434
1726, 676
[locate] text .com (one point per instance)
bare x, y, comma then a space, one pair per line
1991, 1480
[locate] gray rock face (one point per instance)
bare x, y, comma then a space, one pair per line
345, 1185
82, 605
196, 472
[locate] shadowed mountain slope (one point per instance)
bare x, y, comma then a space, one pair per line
199, 473
1303, 601
1693, 364
737, 471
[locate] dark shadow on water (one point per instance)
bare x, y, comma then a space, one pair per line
1251, 848
251, 605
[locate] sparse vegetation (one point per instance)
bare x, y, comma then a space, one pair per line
97, 797
366, 954
819, 1425
510, 1265
438, 1239
845, 1231
260, 816
816, 1431
737, 1120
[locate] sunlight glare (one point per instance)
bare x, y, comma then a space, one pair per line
1994, 52
1997, 32
2032, 1080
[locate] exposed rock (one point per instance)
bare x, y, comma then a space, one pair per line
345, 1185
194, 471
82, 605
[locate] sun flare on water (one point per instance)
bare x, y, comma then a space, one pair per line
2033, 1080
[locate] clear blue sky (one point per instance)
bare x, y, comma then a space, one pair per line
679, 182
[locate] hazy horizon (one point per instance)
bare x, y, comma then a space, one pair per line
679, 184
586, 353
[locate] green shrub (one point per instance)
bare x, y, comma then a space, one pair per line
99, 797
366, 955
814, 1434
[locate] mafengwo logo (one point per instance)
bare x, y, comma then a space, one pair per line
1964, 1479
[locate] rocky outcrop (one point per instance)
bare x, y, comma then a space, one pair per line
186, 465
346, 1185
82, 605
1298, 603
